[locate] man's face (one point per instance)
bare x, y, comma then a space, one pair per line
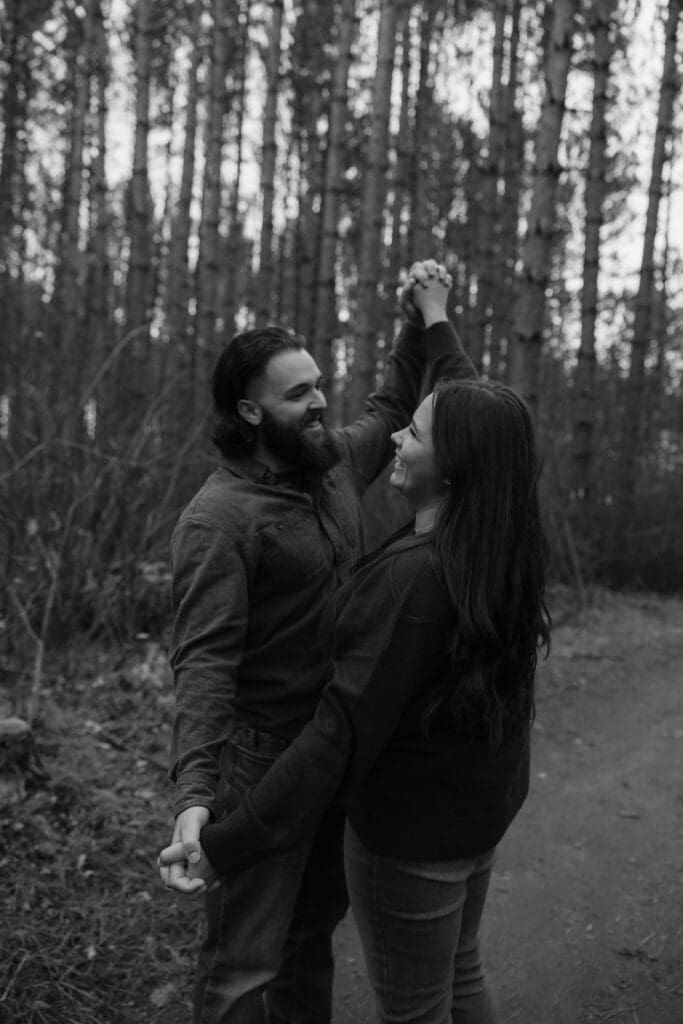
292, 405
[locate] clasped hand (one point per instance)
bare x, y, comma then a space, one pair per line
183, 865
423, 295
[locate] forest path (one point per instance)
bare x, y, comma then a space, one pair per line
584, 922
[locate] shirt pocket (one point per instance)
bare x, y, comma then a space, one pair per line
295, 553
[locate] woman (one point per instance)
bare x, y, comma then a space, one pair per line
427, 712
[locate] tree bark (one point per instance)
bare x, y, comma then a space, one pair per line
601, 21
209, 237
506, 240
418, 242
642, 322
235, 243
397, 254
307, 82
20, 22
138, 297
68, 305
268, 161
488, 204
133, 384
181, 344
325, 322
98, 288
662, 315
528, 315
372, 211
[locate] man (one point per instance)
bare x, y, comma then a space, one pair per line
256, 555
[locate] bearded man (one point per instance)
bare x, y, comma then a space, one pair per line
256, 555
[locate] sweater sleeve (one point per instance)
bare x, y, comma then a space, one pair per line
444, 354
377, 669
366, 444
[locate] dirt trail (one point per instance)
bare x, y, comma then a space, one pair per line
584, 923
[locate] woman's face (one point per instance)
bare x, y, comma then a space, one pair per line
415, 473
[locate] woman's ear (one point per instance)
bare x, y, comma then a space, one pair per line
250, 411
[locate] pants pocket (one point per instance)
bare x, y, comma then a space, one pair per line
248, 756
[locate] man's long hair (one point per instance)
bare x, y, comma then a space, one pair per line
490, 547
240, 362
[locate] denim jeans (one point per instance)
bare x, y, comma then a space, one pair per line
419, 926
267, 955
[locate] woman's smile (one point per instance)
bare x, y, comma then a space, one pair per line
415, 473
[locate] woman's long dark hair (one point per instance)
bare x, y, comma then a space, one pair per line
490, 548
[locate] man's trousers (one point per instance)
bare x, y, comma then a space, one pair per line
267, 955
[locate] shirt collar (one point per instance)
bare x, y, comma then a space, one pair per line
247, 467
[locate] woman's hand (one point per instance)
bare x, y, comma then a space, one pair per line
424, 292
198, 877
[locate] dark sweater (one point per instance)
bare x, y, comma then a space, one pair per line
439, 797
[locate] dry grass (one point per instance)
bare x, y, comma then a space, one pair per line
89, 934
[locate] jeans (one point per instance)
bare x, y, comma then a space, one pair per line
267, 955
419, 926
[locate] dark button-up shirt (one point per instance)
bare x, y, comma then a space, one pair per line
256, 557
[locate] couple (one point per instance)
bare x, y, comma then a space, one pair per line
426, 651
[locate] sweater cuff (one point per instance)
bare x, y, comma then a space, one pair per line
231, 844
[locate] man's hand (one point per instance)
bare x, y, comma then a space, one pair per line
185, 868
425, 276
198, 875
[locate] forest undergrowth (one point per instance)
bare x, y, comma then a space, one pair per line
90, 935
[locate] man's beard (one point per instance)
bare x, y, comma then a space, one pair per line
293, 444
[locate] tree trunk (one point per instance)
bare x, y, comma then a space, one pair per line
397, 254
419, 229
133, 366
268, 160
181, 361
69, 312
372, 212
583, 408
209, 236
138, 298
662, 315
21, 21
506, 240
235, 246
310, 77
642, 323
529, 309
488, 205
17, 49
97, 313
325, 322
306, 233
